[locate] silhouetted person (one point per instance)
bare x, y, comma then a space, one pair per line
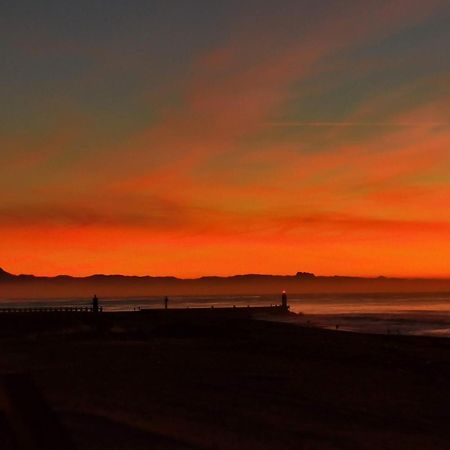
284, 304
166, 302
95, 304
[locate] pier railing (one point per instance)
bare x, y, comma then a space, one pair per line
45, 309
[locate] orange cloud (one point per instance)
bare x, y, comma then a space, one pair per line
209, 187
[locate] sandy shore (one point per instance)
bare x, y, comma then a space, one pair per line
124, 383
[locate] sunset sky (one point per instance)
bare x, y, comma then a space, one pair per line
206, 137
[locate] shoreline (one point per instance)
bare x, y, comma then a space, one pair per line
400, 322
410, 323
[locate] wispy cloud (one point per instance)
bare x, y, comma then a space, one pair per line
358, 124
254, 151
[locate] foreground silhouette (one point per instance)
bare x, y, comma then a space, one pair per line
123, 381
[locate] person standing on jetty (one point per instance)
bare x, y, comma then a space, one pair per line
166, 302
95, 304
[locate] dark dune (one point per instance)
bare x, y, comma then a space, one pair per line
126, 382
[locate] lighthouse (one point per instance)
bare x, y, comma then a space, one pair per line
284, 303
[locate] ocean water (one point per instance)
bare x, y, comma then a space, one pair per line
409, 314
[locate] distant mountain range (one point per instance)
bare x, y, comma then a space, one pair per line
30, 286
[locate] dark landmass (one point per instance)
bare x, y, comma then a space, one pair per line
23, 286
122, 381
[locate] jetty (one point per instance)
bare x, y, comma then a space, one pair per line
241, 311
234, 312
188, 312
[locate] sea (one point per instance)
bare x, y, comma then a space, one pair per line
381, 313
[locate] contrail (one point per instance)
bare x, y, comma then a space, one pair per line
357, 124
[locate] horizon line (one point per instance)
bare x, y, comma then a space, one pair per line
314, 275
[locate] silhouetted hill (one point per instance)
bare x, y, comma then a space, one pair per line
305, 275
5, 275
29, 286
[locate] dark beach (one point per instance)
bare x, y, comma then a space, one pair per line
126, 381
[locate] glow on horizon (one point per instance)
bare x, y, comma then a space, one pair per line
296, 139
